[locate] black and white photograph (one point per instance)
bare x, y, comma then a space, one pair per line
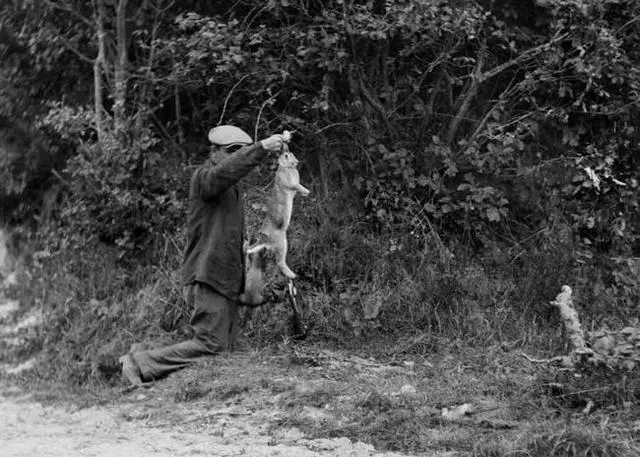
320, 228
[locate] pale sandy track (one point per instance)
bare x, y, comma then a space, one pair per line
29, 429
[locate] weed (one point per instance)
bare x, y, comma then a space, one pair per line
568, 442
227, 391
190, 390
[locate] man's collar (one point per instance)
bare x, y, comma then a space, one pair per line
217, 156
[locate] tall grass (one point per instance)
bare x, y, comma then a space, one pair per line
94, 306
397, 290
570, 442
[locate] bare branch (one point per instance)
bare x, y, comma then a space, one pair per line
627, 24
224, 108
70, 10
430, 68
255, 135
375, 104
73, 49
526, 55
501, 100
336, 124
476, 79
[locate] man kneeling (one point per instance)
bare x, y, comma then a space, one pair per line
213, 266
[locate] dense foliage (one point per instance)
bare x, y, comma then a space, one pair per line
503, 130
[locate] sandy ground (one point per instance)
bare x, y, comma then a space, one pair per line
30, 429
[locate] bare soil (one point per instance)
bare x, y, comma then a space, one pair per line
242, 404
286, 401
148, 423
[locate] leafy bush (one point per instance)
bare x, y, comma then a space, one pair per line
114, 193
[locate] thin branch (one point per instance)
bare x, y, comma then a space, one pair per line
430, 68
71, 48
514, 121
429, 107
163, 131
152, 52
479, 77
627, 24
501, 100
120, 76
375, 104
159, 9
336, 124
144, 4
60, 178
178, 106
532, 360
224, 108
255, 135
528, 54
476, 79
70, 10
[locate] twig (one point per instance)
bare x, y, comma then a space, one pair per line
585, 391
375, 103
175, 244
627, 24
336, 124
529, 53
255, 135
71, 11
501, 100
430, 68
467, 97
166, 134
535, 360
172, 282
224, 108
478, 77
55, 173
70, 47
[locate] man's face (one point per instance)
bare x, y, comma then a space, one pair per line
231, 149
224, 149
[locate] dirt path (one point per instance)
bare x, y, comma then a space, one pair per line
30, 429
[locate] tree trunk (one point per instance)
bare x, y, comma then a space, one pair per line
98, 68
120, 77
467, 98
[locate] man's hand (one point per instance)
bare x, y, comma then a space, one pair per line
275, 142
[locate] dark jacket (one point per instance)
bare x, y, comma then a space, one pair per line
215, 223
